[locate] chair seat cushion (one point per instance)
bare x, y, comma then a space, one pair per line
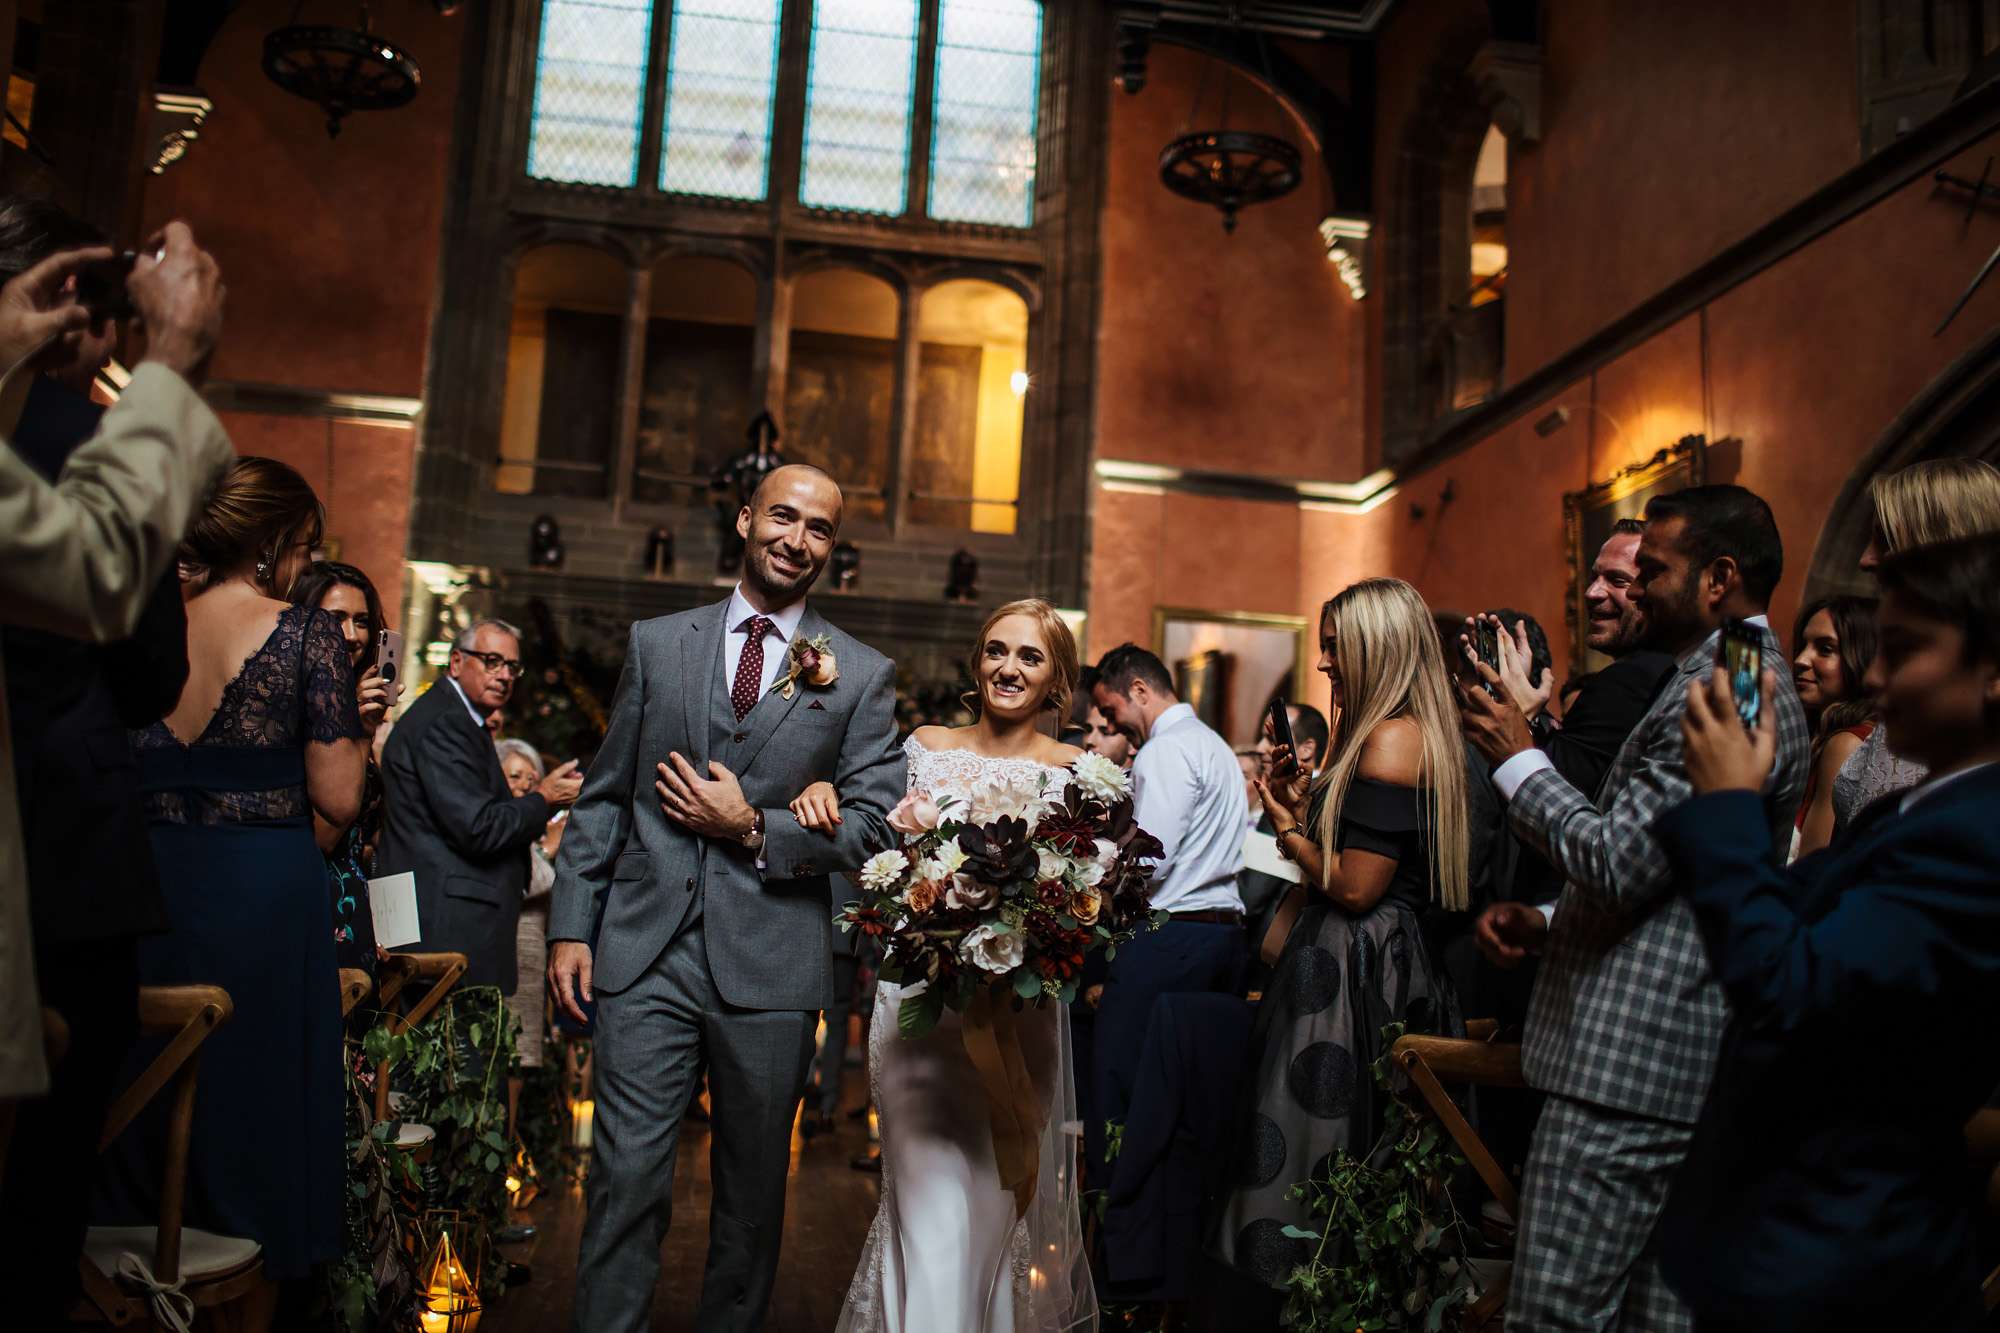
409, 1134
205, 1256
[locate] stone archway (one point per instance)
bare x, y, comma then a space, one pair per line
1956, 415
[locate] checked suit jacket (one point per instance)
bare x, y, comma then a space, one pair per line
768, 932
1626, 1011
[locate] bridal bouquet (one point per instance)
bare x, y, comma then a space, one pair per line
1007, 891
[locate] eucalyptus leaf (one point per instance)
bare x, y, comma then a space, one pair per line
915, 1017
1026, 984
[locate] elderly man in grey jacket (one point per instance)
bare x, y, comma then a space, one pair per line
707, 902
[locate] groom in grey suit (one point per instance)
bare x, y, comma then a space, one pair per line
714, 947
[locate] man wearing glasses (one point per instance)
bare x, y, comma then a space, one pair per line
449, 818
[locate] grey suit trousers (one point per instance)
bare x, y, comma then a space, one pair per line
653, 1039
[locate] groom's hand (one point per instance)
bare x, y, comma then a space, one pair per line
713, 806
569, 977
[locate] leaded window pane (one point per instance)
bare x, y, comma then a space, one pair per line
983, 123
590, 81
859, 86
722, 67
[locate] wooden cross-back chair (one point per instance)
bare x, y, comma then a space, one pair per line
441, 971
190, 1269
354, 988
1479, 1061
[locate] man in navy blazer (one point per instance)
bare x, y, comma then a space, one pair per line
1827, 1186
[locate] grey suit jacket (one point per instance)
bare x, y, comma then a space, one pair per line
768, 933
1626, 1010
448, 816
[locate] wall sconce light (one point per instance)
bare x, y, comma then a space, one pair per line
846, 567
545, 548
1553, 422
1019, 381
963, 584
659, 553
1346, 237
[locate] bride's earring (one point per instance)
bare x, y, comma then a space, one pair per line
264, 571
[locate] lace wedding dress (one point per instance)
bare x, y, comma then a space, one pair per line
946, 1251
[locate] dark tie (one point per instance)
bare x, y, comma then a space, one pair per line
750, 667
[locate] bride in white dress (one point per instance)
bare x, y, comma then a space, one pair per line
948, 1251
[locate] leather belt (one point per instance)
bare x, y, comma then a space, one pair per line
1213, 917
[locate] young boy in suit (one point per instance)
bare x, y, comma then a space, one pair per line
1827, 1186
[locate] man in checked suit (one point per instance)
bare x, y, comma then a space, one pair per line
715, 944
1627, 1017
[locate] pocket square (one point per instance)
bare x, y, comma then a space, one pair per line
815, 707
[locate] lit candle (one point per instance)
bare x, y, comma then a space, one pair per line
583, 1113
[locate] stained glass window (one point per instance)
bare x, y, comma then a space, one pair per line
590, 80
859, 87
722, 68
983, 125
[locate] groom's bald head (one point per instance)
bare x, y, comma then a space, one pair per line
804, 481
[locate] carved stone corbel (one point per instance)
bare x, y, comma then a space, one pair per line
1508, 76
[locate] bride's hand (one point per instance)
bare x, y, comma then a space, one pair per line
818, 808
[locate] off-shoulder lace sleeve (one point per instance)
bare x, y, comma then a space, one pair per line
331, 713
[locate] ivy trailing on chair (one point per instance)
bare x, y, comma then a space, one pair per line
1398, 1243
452, 1072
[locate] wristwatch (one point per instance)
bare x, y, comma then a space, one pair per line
754, 839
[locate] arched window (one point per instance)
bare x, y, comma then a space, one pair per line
590, 79
696, 399
859, 86
983, 121
840, 382
1488, 257
558, 430
964, 465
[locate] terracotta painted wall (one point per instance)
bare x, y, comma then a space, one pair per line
1239, 352
1659, 149
330, 249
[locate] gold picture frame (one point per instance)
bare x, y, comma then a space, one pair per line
1221, 661
1589, 514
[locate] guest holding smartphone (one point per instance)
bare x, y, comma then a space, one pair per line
345, 594
1826, 1185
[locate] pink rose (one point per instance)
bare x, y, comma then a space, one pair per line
915, 813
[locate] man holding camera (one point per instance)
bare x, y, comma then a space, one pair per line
1626, 1018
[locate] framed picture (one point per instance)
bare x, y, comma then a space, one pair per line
1228, 665
1588, 515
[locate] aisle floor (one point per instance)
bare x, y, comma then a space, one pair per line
828, 1206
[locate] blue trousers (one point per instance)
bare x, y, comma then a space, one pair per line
1181, 956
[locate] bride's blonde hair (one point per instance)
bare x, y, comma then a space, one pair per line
1056, 637
1386, 646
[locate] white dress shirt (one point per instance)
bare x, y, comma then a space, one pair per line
777, 643
1189, 794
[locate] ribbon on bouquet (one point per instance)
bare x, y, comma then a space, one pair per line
993, 1040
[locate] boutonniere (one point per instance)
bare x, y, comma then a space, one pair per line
811, 661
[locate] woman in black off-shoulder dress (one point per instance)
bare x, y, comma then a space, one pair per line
1383, 846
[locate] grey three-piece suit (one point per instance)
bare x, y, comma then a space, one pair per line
701, 959
1626, 1020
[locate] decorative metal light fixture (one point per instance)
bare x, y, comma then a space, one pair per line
1229, 169
340, 70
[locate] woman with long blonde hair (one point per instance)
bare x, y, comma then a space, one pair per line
1382, 844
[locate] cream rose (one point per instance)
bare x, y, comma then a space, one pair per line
967, 894
993, 949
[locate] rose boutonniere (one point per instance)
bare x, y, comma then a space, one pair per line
811, 661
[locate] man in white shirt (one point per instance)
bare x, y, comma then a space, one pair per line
1188, 793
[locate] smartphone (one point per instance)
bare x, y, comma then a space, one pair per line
389, 657
1281, 726
100, 287
1486, 642
1741, 654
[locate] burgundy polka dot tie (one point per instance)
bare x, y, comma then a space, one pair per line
750, 667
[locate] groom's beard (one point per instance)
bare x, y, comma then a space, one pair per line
774, 583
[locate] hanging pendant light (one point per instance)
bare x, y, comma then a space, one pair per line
1229, 169
340, 70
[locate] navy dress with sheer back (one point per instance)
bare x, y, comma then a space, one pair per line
245, 886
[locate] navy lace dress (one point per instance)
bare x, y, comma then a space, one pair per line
246, 892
